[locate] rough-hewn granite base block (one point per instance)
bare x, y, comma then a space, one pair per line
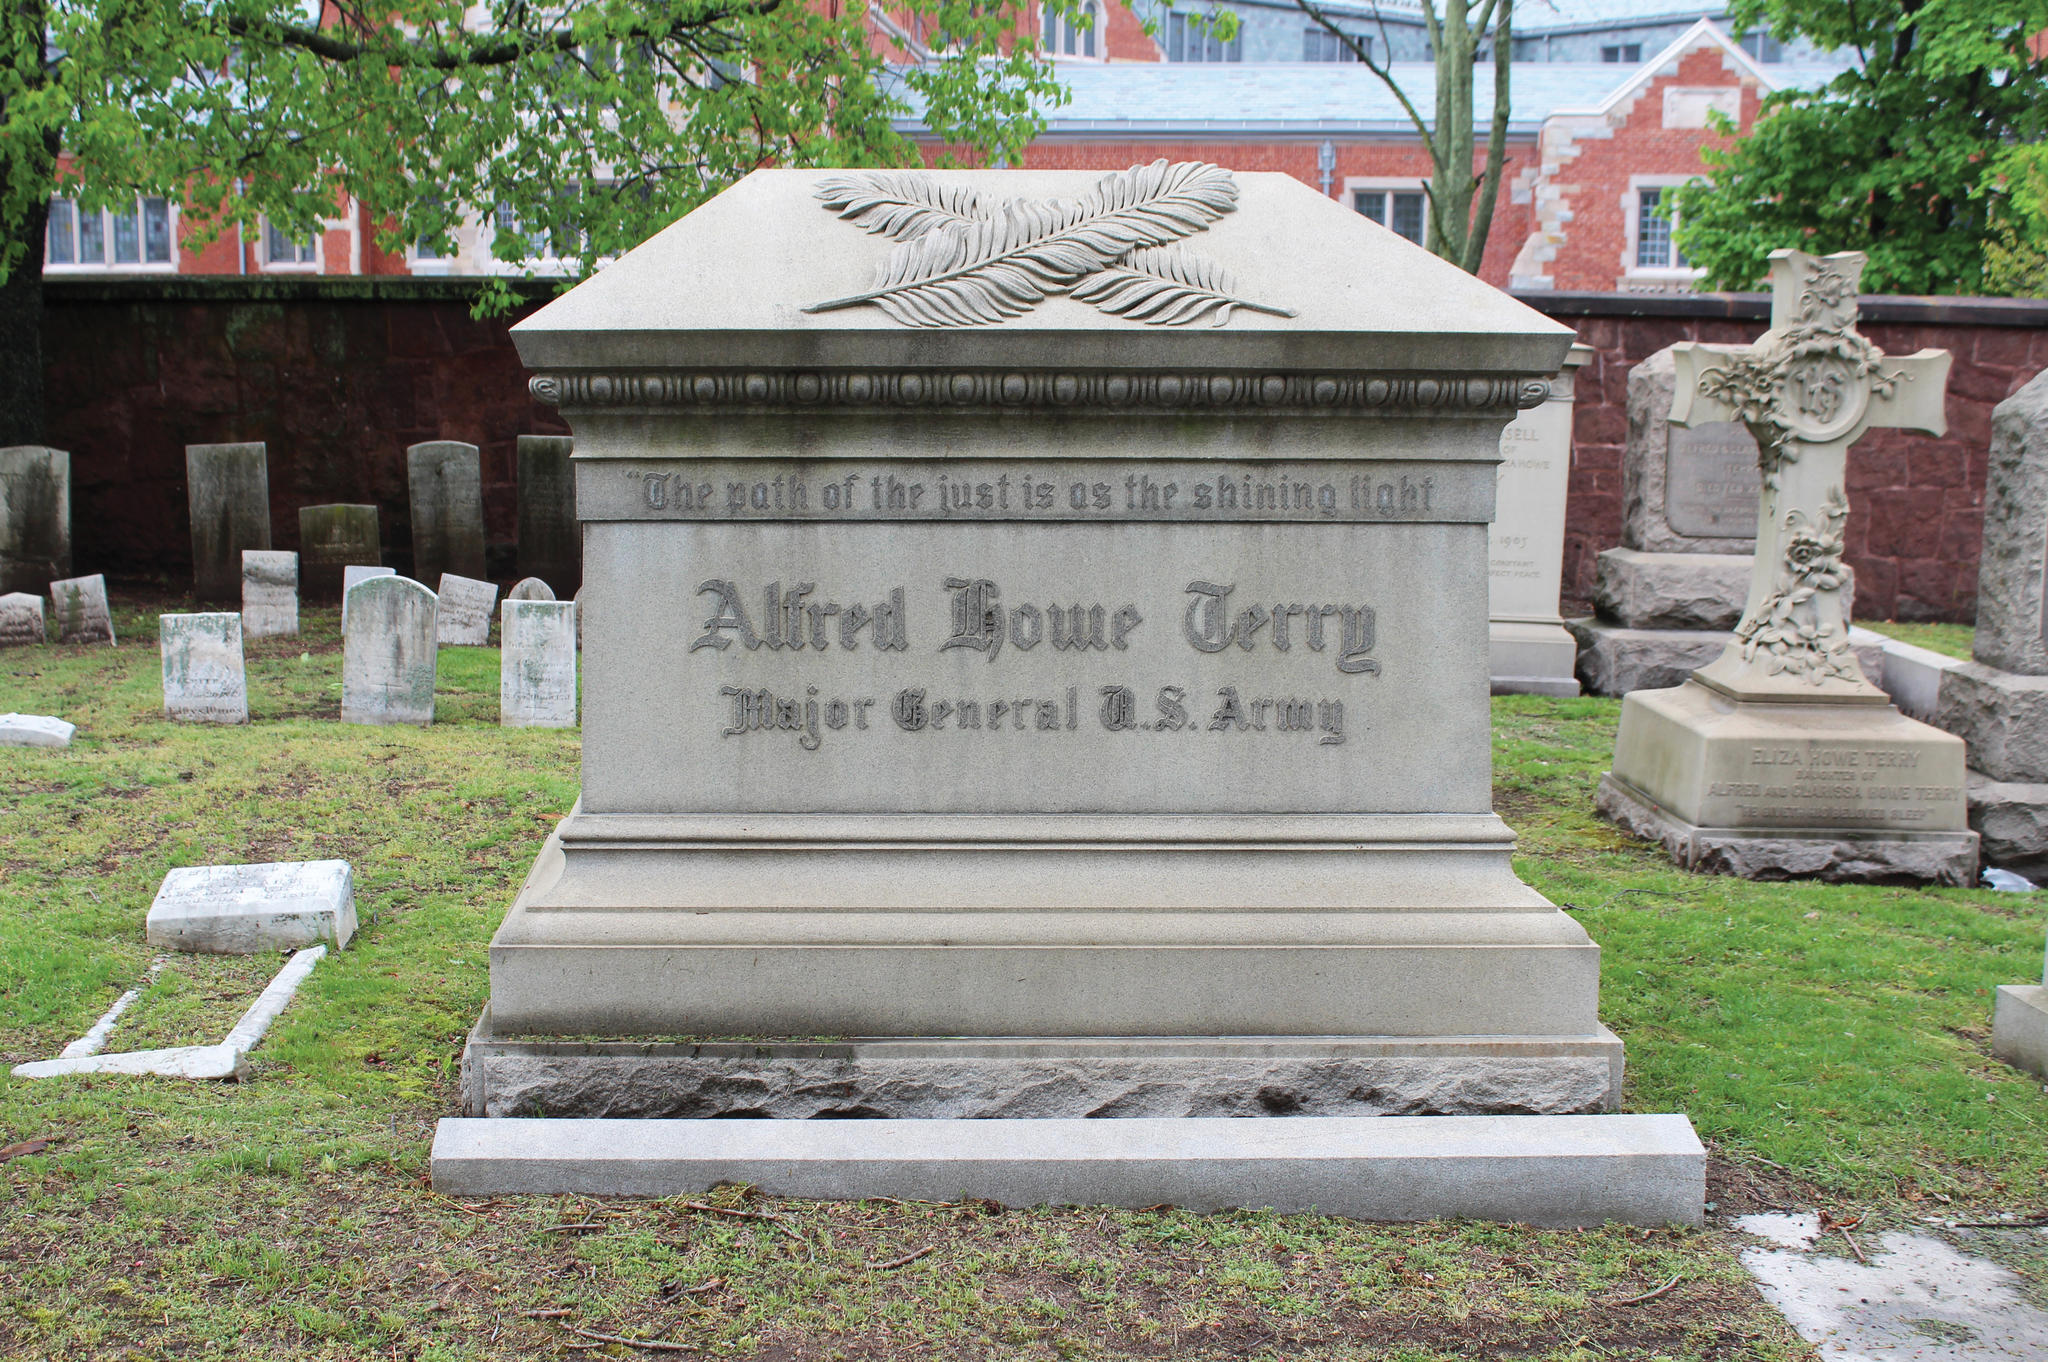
1535, 1170
2019, 1028
1614, 660
2012, 819
1041, 1079
1793, 853
2002, 716
1671, 590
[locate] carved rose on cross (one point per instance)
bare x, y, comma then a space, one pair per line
1815, 557
1787, 626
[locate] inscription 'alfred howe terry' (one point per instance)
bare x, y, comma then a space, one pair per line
981, 623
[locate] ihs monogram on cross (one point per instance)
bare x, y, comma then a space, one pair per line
1807, 390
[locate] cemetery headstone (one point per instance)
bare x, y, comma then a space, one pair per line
2019, 1025
21, 620
78, 605
388, 652
537, 669
1530, 652
204, 679
270, 593
465, 612
530, 589
1118, 685
550, 536
35, 517
333, 539
350, 576
227, 489
1780, 758
250, 909
1998, 701
446, 480
34, 730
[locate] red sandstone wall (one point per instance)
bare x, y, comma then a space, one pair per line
336, 386
1916, 502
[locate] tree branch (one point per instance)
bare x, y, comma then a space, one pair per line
1364, 54
1496, 140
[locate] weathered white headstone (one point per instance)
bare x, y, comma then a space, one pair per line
34, 730
270, 593
1066, 676
1780, 758
1530, 651
537, 670
333, 539
446, 481
78, 605
466, 611
227, 491
550, 536
35, 517
21, 620
530, 589
388, 653
204, 679
247, 909
354, 574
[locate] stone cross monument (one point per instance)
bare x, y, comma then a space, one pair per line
1780, 757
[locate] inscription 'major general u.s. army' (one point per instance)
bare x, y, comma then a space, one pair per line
969, 261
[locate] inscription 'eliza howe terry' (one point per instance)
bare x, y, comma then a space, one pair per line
980, 622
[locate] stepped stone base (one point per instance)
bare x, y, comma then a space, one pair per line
2019, 1028
1537, 1170
1005, 1077
1887, 857
1532, 658
2012, 819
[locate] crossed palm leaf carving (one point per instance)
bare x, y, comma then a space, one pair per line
967, 260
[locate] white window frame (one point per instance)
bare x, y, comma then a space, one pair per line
1631, 207
1096, 35
1229, 54
1383, 184
107, 264
266, 265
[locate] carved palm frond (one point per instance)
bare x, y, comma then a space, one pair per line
977, 272
901, 204
1166, 286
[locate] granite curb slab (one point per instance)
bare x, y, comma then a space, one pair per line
1556, 1171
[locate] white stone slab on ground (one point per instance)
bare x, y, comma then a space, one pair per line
34, 730
1537, 1170
244, 909
204, 679
465, 619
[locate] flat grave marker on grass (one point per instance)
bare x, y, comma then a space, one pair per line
537, 669
35, 730
465, 618
246, 909
270, 593
204, 677
227, 491
79, 607
388, 653
35, 517
21, 620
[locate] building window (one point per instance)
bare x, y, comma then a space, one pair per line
1622, 52
1762, 46
1319, 44
1064, 36
1655, 250
1188, 39
137, 236
1403, 211
280, 249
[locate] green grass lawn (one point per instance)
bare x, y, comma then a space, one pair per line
1953, 639
1830, 1041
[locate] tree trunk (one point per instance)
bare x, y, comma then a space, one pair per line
21, 336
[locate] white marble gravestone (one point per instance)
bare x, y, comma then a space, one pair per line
34, 730
1116, 689
537, 668
388, 652
247, 909
270, 593
35, 517
1780, 758
21, 620
465, 611
530, 589
204, 678
78, 606
355, 574
1530, 651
